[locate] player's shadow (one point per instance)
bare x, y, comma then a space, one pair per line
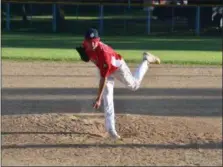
156, 146
93, 76
160, 102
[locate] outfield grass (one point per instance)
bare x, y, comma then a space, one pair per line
58, 47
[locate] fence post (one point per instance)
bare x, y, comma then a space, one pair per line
101, 7
173, 21
129, 3
148, 21
8, 16
125, 21
31, 13
198, 20
54, 23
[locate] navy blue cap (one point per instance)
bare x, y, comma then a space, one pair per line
91, 33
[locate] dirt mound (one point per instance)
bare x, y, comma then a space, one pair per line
174, 119
168, 130
51, 128
132, 128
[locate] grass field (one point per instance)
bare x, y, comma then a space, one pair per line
60, 47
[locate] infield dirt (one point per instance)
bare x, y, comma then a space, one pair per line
175, 118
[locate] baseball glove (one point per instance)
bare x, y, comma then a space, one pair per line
82, 54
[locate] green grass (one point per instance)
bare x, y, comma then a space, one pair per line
60, 47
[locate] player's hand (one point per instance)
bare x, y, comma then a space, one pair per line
97, 103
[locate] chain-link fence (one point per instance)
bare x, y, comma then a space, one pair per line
112, 19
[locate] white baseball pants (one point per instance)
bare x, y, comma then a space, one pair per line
132, 82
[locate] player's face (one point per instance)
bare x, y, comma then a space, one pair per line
94, 45
91, 45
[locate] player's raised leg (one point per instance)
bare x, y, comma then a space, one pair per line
151, 59
133, 82
139, 73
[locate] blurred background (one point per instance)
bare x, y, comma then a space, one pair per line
114, 17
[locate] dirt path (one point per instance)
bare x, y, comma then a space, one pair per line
173, 119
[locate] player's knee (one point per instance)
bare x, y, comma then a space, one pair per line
135, 86
135, 89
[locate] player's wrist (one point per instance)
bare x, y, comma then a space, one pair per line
99, 98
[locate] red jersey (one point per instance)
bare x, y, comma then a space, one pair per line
105, 58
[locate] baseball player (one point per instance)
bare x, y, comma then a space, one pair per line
111, 65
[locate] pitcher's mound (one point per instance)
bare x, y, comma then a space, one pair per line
68, 128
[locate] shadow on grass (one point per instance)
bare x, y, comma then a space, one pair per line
62, 41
